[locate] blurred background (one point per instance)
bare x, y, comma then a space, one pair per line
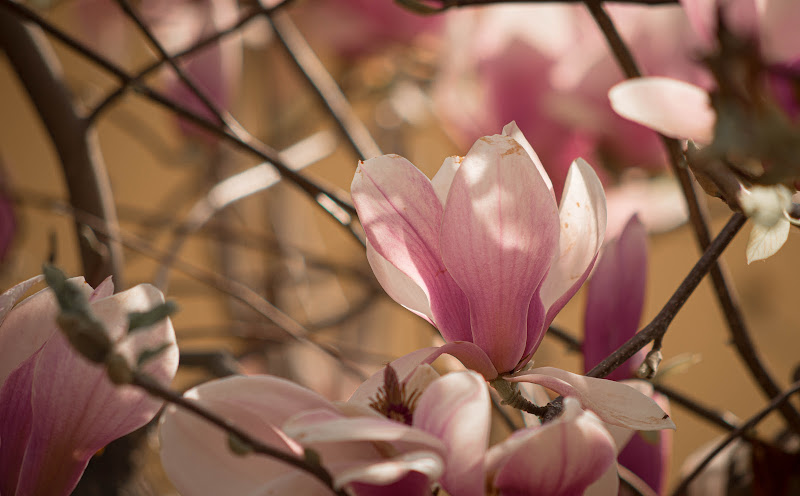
424, 88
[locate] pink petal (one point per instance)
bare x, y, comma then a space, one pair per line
780, 38
512, 130
560, 458
16, 419
444, 177
469, 354
674, 108
614, 402
399, 475
77, 410
456, 409
308, 431
26, 328
499, 235
615, 299
12, 296
401, 216
195, 454
399, 286
583, 225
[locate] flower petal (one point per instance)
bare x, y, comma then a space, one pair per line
401, 216
444, 177
614, 402
456, 409
26, 328
399, 286
395, 470
316, 430
16, 419
583, 225
76, 409
499, 235
195, 454
615, 299
563, 457
512, 130
671, 107
766, 241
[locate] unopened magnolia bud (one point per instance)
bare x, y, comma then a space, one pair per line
649, 367
118, 369
86, 335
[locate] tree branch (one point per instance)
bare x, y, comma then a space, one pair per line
74, 139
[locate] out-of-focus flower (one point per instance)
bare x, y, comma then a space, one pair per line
681, 110
216, 70
613, 309
482, 251
548, 68
362, 27
56, 408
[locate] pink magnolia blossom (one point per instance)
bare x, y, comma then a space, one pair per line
434, 429
429, 428
613, 310
482, 251
56, 408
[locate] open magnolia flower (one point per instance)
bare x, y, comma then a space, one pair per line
397, 435
403, 430
56, 408
482, 251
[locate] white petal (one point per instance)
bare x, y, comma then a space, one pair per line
766, 241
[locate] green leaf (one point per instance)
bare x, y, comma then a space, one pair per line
141, 320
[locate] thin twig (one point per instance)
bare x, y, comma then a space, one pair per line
571, 342
157, 390
725, 419
220, 283
324, 85
725, 295
774, 404
341, 210
75, 142
658, 326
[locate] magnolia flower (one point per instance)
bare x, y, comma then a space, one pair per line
614, 305
482, 251
401, 431
56, 408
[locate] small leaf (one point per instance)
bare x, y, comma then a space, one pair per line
141, 320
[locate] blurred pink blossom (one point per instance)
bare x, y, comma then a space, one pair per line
56, 408
549, 69
362, 27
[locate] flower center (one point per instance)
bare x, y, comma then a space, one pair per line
393, 400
